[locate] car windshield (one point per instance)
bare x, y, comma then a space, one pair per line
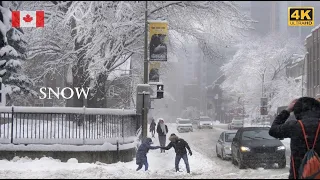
237, 121
229, 137
205, 120
184, 122
256, 134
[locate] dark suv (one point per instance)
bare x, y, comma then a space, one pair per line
253, 146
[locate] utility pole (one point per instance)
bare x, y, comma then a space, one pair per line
262, 86
145, 68
302, 76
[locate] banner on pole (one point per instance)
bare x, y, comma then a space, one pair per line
158, 40
154, 69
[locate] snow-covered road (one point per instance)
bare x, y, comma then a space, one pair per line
204, 164
204, 142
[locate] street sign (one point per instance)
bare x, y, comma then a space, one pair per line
154, 75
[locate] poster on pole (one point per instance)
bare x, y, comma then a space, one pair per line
158, 40
154, 68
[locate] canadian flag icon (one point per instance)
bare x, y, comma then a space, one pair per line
27, 19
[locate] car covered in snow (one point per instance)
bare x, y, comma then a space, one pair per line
253, 146
236, 123
205, 122
184, 125
223, 146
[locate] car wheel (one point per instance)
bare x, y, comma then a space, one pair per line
217, 152
222, 155
240, 162
282, 164
233, 161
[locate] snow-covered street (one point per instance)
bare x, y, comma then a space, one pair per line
203, 164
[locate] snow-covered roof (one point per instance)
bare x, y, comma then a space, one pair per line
297, 60
219, 80
308, 36
298, 78
315, 28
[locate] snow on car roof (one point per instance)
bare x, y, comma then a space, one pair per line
231, 131
181, 119
204, 117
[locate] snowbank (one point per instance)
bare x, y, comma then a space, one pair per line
58, 147
161, 166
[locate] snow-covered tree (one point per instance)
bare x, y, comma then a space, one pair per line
12, 57
259, 67
106, 34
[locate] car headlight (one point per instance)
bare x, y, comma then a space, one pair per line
244, 149
227, 148
281, 148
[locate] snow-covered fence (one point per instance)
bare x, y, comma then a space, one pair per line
67, 125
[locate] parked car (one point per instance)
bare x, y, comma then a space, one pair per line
205, 122
253, 146
184, 125
223, 146
236, 123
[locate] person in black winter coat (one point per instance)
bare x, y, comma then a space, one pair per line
180, 146
153, 127
162, 130
307, 110
141, 156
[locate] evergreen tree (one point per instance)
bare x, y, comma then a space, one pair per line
12, 56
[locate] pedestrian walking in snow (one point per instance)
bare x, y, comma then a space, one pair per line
180, 146
153, 127
302, 131
141, 156
162, 130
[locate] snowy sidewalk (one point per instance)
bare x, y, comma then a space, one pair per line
161, 165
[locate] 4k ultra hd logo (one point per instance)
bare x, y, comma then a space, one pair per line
300, 16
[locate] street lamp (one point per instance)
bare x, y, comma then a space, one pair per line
145, 70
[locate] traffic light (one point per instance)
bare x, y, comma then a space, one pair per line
263, 110
160, 91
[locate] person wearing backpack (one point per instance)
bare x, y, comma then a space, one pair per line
303, 133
